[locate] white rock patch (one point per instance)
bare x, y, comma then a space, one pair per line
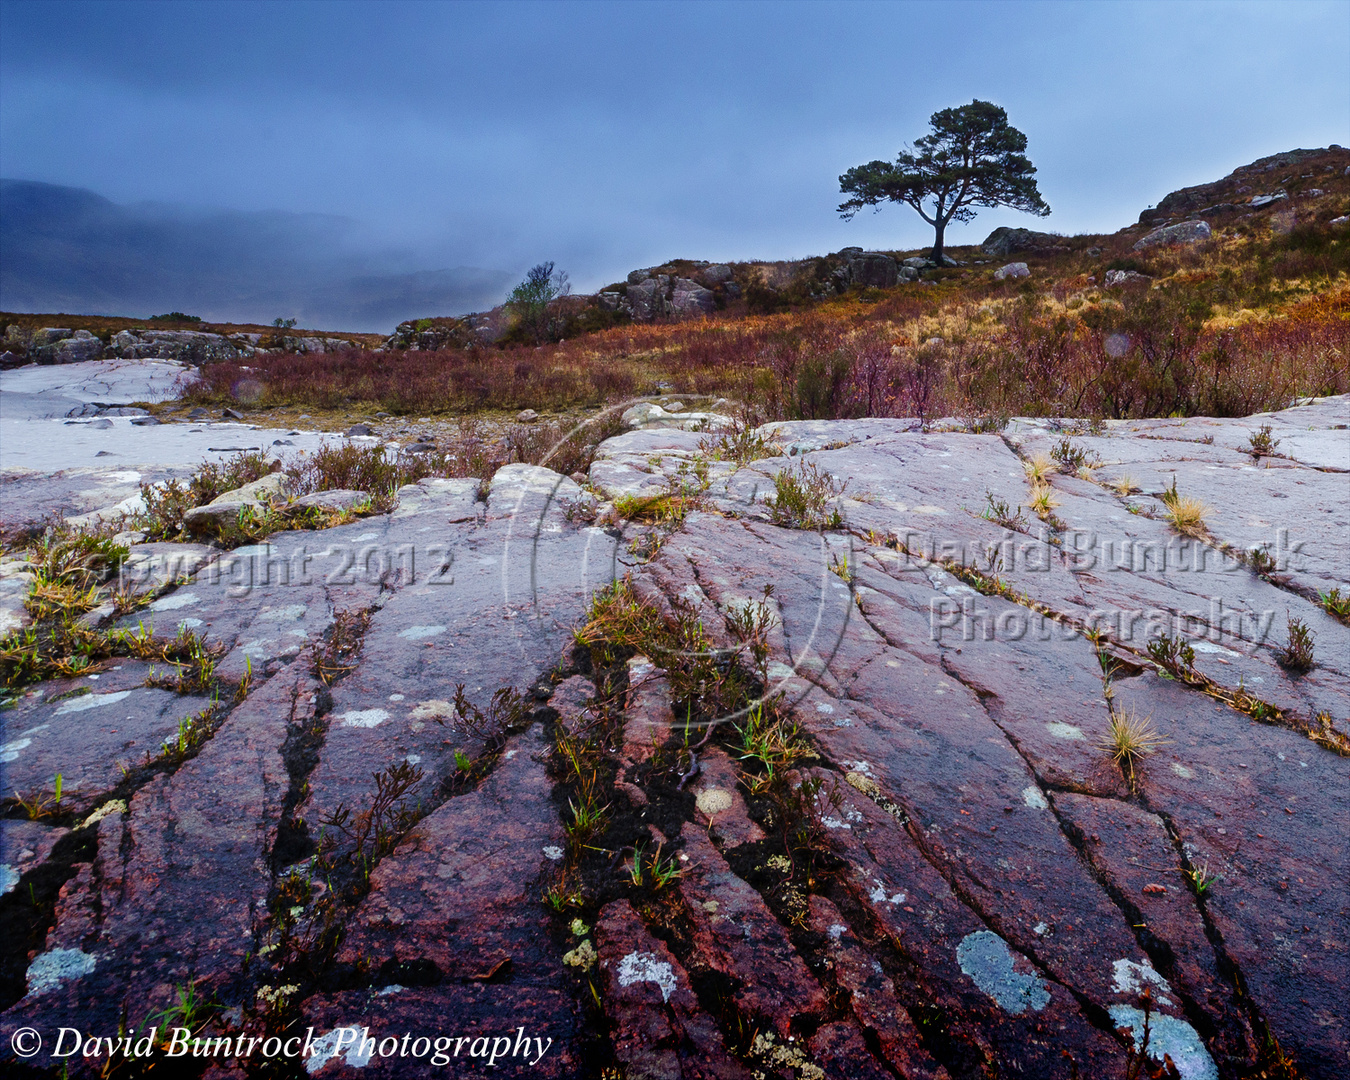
647, 967
364, 718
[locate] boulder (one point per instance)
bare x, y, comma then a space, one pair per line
220, 516
1344, 219
340, 499
359, 429
647, 298
873, 269
1012, 270
691, 300
1115, 278
57, 345
526, 416
918, 262
1259, 201
637, 277
610, 301
718, 274
1006, 241
80, 346
16, 578
1183, 232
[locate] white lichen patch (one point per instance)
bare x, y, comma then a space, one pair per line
880, 894
1131, 978
647, 967
1034, 797
712, 801
553, 852
433, 710
58, 966
1065, 731
363, 718
175, 601
1167, 1035
10, 751
285, 613
417, 633
9, 878
986, 958
326, 1049
92, 701
1182, 771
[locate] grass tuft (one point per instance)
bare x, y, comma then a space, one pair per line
1130, 739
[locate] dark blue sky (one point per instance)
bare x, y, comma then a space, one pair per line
610, 136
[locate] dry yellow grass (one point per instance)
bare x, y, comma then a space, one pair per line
1042, 499
1187, 515
1040, 466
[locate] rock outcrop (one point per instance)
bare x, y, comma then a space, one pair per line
1004, 241
57, 345
951, 875
1250, 187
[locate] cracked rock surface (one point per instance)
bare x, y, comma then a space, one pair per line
382, 835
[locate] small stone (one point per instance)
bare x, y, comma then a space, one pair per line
526, 416
360, 429
230, 414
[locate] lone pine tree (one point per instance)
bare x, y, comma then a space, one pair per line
972, 157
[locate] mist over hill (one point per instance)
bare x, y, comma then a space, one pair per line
70, 249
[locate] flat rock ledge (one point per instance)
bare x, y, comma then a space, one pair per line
975, 888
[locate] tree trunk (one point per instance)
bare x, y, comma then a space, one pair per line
939, 229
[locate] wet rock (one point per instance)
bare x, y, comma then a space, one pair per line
737, 936
648, 718
24, 845
661, 1031
89, 731
152, 566
871, 996
1134, 850
718, 801
173, 889
573, 700
461, 891
1259, 811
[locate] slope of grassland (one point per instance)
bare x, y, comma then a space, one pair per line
1247, 320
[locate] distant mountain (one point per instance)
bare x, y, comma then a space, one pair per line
71, 250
